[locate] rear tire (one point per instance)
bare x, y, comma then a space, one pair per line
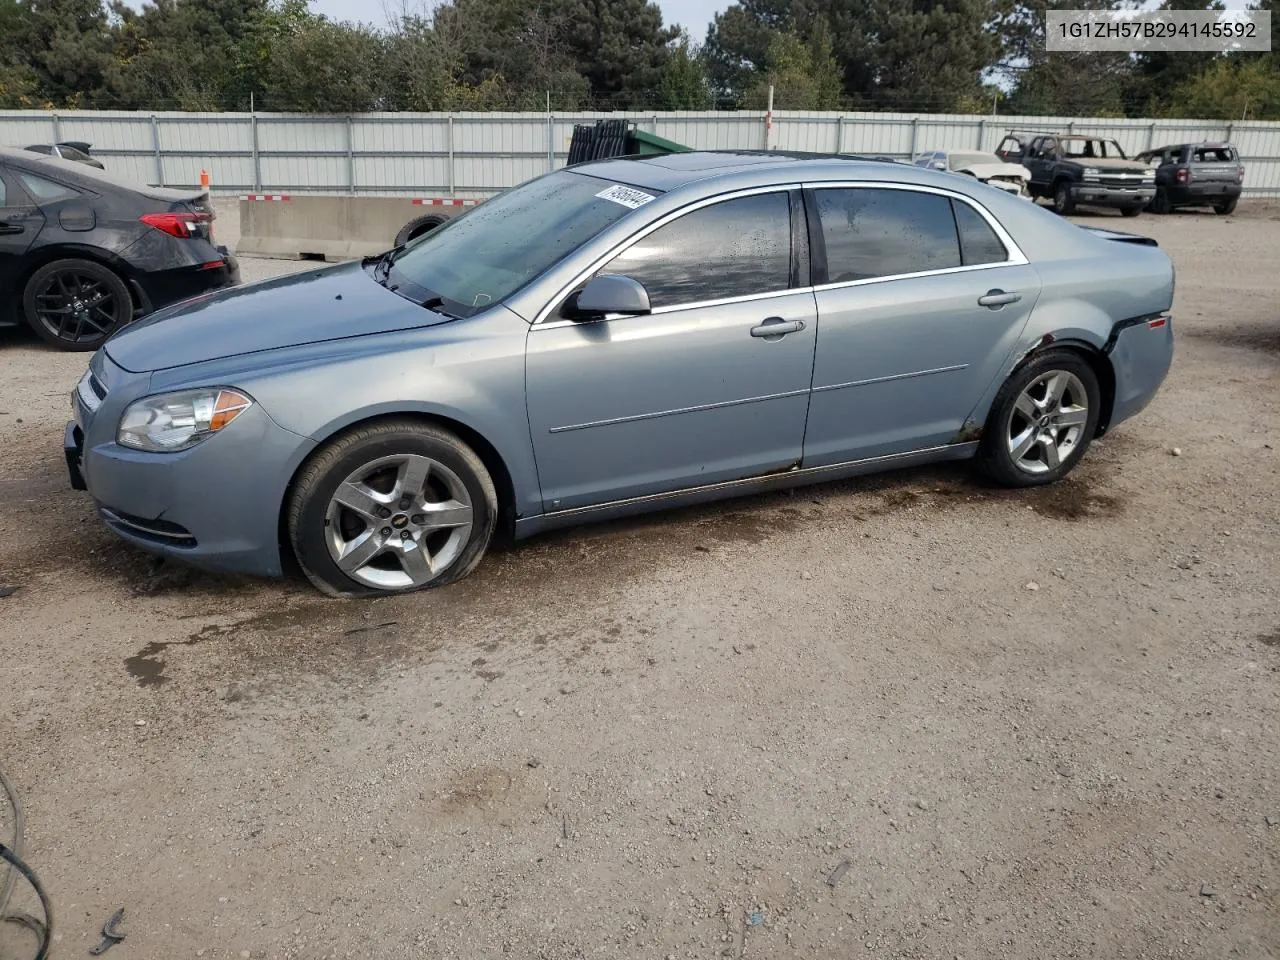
1063, 203
1160, 202
1042, 421
1223, 209
391, 507
76, 304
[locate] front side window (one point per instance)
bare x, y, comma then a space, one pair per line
734, 248
872, 232
485, 256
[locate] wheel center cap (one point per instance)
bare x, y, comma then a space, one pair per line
399, 521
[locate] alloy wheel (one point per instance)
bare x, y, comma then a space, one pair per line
398, 522
1047, 422
77, 307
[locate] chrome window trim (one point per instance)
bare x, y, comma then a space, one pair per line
538, 321
1015, 255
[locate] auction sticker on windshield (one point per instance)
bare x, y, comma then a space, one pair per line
627, 196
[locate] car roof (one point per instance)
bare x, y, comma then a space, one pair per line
748, 168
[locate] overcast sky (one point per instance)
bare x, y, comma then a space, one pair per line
693, 15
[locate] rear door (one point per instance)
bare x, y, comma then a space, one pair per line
1040, 159
921, 297
20, 222
700, 390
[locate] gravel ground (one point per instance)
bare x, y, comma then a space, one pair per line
905, 716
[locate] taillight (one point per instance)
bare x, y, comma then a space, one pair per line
1183, 175
1239, 174
180, 225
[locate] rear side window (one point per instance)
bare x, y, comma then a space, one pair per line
978, 242
43, 189
2, 199
883, 233
730, 249
1214, 155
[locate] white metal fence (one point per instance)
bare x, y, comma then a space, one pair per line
478, 154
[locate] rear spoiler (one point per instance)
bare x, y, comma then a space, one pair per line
1121, 237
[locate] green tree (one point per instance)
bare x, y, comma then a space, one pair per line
737, 46
1071, 84
1238, 87
619, 46
684, 84
179, 53
66, 44
804, 75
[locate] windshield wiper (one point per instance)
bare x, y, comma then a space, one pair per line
436, 302
382, 266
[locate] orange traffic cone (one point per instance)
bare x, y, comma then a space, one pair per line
204, 179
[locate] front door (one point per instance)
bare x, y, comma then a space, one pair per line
922, 303
700, 391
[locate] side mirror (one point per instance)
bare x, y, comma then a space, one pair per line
611, 293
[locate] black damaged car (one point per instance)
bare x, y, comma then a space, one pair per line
83, 253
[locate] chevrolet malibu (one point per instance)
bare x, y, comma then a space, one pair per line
616, 337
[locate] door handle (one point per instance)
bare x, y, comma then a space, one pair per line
995, 299
11, 226
775, 328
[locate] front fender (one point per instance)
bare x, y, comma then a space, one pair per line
470, 372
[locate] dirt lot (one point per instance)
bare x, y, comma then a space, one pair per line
1032, 724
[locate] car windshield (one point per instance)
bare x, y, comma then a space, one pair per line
1091, 148
961, 159
488, 254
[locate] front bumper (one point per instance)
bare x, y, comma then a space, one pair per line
216, 505
1109, 196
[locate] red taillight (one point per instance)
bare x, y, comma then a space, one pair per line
213, 265
1158, 322
181, 225
1183, 175
1239, 174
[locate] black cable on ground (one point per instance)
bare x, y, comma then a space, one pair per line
16, 867
42, 929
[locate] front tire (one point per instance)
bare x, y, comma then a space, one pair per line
76, 304
391, 507
1063, 203
1042, 421
1130, 211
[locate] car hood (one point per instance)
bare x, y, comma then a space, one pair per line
1113, 166
985, 170
332, 303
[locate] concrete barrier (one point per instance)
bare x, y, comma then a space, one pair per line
329, 228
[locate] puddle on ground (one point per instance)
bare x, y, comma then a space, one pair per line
1271, 639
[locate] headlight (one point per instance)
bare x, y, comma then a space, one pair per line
176, 421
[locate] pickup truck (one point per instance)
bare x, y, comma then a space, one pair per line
1196, 174
1070, 168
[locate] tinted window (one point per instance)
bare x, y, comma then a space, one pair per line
978, 242
43, 189
881, 233
730, 249
1, 193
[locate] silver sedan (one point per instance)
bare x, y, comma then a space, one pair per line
614, 338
